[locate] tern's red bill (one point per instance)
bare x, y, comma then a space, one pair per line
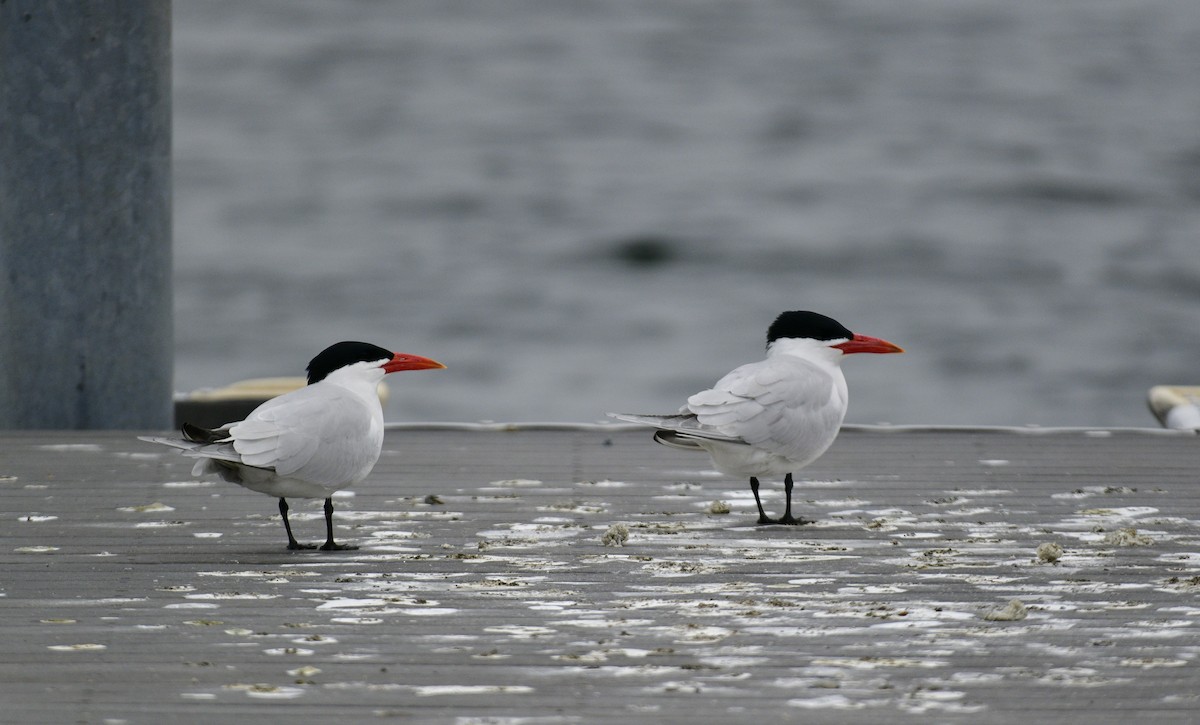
401, 361
865, 343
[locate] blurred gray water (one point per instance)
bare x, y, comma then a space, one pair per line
592, 206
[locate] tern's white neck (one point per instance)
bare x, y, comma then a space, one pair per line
817, 351
362, 379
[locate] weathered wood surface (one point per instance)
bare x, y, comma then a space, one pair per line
132, 593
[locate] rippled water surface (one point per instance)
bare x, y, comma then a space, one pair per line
592, 206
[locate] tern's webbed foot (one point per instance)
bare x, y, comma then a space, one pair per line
331, 546
297, 546
790, 520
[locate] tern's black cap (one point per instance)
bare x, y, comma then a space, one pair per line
341, 354
803, 324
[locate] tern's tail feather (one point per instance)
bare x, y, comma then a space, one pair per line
199, 443
197, 434
679, 430
671, 439
656, 421
179, 443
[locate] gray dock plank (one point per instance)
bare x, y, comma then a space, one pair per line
132, 593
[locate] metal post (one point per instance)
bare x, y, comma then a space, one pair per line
85, 214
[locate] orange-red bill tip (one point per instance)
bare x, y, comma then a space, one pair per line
402, 361
866, 343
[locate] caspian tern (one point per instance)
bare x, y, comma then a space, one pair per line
774, 416
310, 442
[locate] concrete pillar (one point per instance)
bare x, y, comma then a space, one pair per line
86, 331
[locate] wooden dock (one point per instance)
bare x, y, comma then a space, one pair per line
584, 575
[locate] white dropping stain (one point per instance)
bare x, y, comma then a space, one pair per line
77, 447
603, 484
356, 620
976, 678
353, 604
147, 508
993, 462
1124, 512
515, 483
832, 483
192, 605
35, 549
197, 695
696, 687
1127, 537
84, 647
1150, 663
942, 702
429, 611
288, 652
1079, 677
207, 534
698, 633
1076, 494
732, 662
189, 484
592, 657
438, 690
872, 589
521, 631
231, 595
270, 692
1090, 491
306, 671
871, 663
534, 532
623, 670
36, 518
1177, 557
554, 606
260, 573
828, 702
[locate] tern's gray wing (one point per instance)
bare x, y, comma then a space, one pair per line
322, 434
786, 405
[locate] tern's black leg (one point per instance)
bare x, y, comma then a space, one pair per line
787, 517
287, 526
329, 545
762, 515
